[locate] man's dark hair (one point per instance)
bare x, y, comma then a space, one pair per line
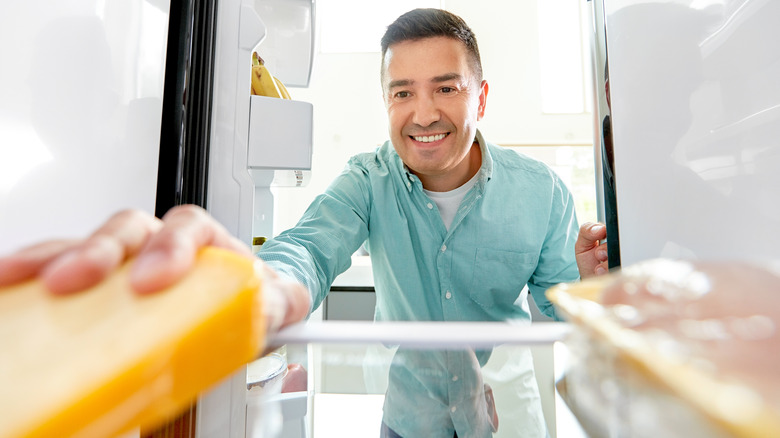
426, 23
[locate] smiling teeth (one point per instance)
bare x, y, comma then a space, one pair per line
430, 138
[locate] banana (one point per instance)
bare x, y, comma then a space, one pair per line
264, 83
282, 88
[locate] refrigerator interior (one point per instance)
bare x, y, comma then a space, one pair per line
80, 130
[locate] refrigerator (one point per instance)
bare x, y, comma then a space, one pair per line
687, 128
145, 104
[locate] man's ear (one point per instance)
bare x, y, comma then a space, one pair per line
483, 92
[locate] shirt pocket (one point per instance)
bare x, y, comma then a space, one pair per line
499, 276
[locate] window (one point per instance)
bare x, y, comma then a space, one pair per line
561, 56
357, 26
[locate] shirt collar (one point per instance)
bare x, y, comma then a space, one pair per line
487, 160
484, 173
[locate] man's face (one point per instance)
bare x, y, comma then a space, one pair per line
433, 104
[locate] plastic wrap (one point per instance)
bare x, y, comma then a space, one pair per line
675, 349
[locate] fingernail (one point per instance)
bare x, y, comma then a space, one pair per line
146, 270
78, 269
597, 228
62, 264
602, 255
600, 270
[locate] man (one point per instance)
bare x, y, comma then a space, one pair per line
455, 226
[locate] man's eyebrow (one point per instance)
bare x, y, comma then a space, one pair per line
399, 83
436, 79
446, 77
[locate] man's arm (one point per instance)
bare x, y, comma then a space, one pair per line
320, 246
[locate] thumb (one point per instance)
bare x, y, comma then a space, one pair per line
590, 235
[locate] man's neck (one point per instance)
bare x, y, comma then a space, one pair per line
455, 179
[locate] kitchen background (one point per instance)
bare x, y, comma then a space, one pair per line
535, 59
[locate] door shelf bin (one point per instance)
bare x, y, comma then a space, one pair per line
280, 133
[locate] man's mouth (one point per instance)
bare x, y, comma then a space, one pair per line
428, 138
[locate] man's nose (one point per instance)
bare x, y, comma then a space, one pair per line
426, 112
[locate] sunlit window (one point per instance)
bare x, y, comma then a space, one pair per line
561, 56
357, 26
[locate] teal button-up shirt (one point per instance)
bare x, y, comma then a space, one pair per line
515, 227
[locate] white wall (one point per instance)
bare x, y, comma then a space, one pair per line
349, 115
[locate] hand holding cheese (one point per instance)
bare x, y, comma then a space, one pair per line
94, 350
164, 251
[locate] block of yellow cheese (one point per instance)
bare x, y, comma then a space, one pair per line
100, 362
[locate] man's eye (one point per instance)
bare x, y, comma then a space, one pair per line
402, 94
447, 90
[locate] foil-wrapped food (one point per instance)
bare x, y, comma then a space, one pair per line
675, 348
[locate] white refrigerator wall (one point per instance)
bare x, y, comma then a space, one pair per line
695, 93
81, 88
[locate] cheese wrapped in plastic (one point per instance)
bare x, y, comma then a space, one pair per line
676, 348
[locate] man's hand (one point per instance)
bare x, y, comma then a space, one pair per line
591, 255
164, 249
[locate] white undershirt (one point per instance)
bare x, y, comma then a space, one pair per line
448, 202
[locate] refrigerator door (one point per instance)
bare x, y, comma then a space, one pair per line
602, 134
82, 87
695, 100
234, 197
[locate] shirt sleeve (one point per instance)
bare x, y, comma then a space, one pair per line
557, 262
321, 244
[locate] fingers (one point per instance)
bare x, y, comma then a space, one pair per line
165, 248
589, 236
593, 262
602, 257
591, 253
28, 262
131, 228
600, 252
90, 261
170, 252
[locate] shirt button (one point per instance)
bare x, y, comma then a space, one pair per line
448, 295
443, 248
408, 184
430, 206
453, 409
454, 378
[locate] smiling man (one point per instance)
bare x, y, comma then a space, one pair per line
434, 97
456, 229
